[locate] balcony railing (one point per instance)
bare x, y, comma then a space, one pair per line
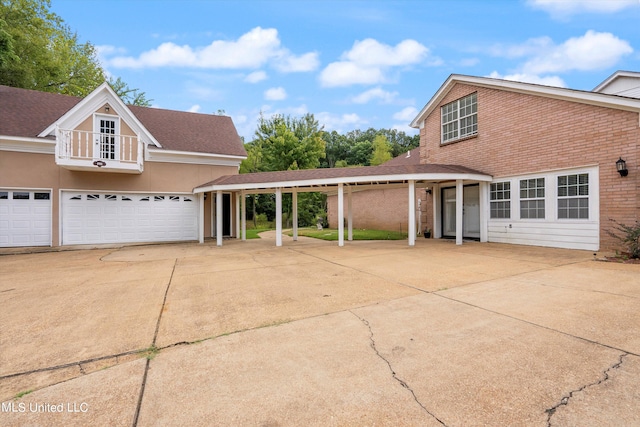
83, 150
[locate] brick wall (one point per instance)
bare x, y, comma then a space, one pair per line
520, 133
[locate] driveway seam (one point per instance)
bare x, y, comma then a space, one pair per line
393, 373
565, 399
153, 346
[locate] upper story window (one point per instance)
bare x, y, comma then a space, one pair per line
573, 196
460, 118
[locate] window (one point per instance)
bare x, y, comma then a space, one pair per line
460, 118
93, 196
532, 198
4, 195
126, 199
500, 200
19, 195
174, 198
573, 196
41, 196
158, 198
78, 197
107, 139
110, 197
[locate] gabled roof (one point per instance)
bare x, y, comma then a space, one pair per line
333, 176
28, 113
571, 95
411, 157
625, 83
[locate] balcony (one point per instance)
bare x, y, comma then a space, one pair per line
98, 152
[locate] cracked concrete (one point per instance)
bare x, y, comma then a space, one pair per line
374, 333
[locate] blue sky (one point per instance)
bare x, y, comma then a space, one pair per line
353, 64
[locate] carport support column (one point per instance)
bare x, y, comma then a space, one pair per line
243, 219
219, 218
278, 216
484, 208
412, 213
459, 210
237, 195
349, 214
294, 208
201, 218
340, 214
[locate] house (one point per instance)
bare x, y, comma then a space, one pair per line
552, 153
93, 170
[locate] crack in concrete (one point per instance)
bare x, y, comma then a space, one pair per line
565, 399
393, 373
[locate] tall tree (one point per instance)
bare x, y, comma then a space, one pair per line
39, 51
381, 150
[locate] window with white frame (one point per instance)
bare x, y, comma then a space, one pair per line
573, 196
460, 118
532, 198
500, 200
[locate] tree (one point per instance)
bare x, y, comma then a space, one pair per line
39, 51
381, 150
290, 143
128, 95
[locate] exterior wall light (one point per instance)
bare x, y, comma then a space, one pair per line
106, 108
621, 166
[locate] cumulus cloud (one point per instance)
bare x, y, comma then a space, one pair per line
275, 94
340, 122
378, 93
255, 77
369, 60
254, 49
561, 8
593, 51
406, 114
530, 78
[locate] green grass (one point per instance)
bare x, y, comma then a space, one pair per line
252, 233
358, 234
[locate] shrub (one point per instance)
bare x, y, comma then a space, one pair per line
628, 235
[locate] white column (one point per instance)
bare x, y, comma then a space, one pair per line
219, 218
459, 211
201, 217
294, 209
278, 216
349, 214
243, 219
437, 213
484, 209
237, 196
340, 215
412, 213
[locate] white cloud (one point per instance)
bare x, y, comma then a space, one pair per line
275, 94
593, 51
530, 78
561, 8
255, 77
384, 96
253, 49
340, 122
369, 60
406, 114
194, 108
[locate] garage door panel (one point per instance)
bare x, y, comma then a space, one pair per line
26, 218
91, 218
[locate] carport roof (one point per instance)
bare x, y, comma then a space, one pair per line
326, 177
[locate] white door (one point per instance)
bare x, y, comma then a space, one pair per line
25, 218
92, 218
470, 212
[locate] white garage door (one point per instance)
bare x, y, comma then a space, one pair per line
25, 218
91, 218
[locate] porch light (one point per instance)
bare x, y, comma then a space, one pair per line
106, 108
621, 166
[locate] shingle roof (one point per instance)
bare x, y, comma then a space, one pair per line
26, 113
331, 173
411, 157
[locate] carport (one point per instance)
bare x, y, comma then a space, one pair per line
349, 180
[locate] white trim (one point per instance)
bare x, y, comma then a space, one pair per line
346, 180
27, 145
192, 157
572, 95
615, 76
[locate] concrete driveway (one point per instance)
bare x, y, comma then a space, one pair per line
371, 334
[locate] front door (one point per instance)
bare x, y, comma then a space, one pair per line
470, 212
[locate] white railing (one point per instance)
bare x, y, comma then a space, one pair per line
74, 145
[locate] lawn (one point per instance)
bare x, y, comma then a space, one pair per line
252, 233
358, 234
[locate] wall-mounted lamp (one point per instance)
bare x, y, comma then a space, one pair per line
427, 190
621, 166
106, 108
